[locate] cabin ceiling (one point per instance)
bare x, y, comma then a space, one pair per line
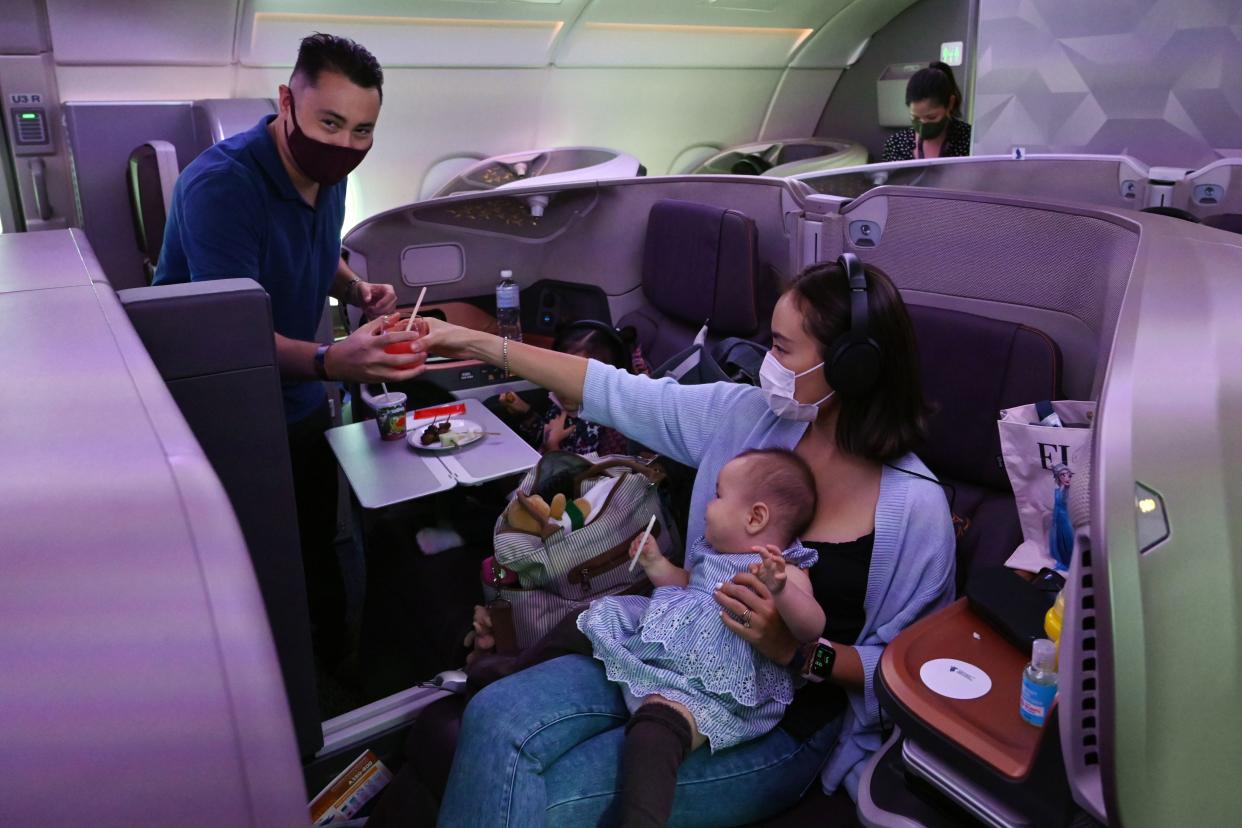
770, 34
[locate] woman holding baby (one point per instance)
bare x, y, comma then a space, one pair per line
840, 390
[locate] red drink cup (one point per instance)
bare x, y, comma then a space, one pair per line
398, 323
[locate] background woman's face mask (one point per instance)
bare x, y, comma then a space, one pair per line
778, 383
323, 163
930, 130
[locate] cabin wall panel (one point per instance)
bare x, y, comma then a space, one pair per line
797, 103
21, 28
127, 32
1155, 80
143, 83
849, 26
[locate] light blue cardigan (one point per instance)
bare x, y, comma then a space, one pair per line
912, 561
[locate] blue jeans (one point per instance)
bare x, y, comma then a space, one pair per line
543, 747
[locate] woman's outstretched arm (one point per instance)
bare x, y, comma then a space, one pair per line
678, 421
562, 374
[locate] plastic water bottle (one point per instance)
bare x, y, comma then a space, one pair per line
508, 307
1039, 682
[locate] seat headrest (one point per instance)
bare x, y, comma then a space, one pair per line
702, 262
151, 173
972, 367
1225, 221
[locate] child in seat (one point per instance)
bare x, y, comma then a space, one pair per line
686, 677
560, 428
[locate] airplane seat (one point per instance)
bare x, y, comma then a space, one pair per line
226, 382
1231, 222
151, 173
972, 367
700, 265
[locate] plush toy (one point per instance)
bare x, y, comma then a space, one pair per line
534, 514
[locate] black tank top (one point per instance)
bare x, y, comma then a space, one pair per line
839, 581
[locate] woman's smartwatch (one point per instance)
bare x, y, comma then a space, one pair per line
814, 661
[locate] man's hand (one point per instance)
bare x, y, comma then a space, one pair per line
375, 299
360, 357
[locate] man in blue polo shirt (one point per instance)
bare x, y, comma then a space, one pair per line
269, 204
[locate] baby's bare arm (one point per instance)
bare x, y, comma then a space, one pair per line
798, 607
660, 570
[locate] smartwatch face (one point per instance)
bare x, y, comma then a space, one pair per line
821, 660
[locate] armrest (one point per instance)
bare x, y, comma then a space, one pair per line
988, 728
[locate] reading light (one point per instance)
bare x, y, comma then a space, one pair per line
1151, 520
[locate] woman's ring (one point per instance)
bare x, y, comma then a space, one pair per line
746, 619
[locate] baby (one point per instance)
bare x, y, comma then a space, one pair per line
686, 677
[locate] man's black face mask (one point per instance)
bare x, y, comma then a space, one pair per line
326, 164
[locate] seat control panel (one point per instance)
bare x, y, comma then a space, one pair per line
30, 127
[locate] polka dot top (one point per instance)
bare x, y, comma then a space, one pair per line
900, 145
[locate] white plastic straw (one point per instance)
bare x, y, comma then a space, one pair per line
643, 542
410, 325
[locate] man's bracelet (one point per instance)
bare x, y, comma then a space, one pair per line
504, 354
349, 290
321, 360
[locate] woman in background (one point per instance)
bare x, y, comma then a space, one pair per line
937, 130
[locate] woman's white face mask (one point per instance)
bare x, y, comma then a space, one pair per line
778, 384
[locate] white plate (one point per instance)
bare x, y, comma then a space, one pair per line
955, 679
472, 430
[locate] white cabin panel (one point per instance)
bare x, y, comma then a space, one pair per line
176, 32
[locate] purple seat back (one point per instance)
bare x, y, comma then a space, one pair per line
972, 367
700, 263
1225, 221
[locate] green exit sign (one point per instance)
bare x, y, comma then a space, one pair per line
951, 53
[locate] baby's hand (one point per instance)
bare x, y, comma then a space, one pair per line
556, 432
772, 569
650, 555
513, 403
482, 627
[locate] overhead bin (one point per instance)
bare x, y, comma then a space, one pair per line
558, 165
786, 157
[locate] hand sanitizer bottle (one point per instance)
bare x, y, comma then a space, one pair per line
1039, 682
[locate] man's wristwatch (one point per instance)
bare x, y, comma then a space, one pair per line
349, 290
321, 354
814, 661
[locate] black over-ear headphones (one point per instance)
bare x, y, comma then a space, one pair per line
853, 364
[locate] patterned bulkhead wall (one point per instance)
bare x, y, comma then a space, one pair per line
1155, 79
